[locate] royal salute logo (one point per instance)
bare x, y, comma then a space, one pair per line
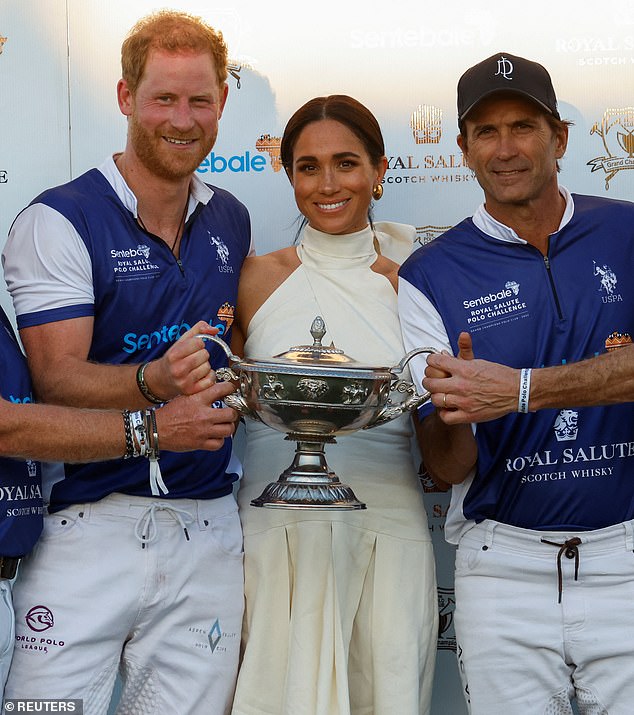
616, 130
426, 234
566, 428
426, 124
431, 165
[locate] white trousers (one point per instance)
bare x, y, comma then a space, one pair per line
152, 589
523, 652
7, 631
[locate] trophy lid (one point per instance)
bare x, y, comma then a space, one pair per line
317, 353
315, 359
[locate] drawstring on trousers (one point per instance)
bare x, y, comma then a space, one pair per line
570, 549
146, 529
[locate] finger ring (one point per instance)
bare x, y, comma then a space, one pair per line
444, 401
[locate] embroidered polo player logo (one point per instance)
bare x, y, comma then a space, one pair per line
608, 278
222, 252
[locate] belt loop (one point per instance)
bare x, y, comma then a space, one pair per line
488, 534
202, 515
629, 535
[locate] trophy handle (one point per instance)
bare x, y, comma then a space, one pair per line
223, 345
413, 399
225, 374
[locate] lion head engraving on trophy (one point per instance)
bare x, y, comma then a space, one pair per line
312, 388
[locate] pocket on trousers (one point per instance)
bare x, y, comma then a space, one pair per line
61, 525
226, 532
467, 559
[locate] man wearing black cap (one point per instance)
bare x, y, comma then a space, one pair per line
542, 503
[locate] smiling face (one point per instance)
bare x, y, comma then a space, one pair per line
513, 150
173, 115
333, 177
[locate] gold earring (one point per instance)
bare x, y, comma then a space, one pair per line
377, 192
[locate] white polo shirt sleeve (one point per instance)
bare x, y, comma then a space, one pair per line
46, 265
421, 326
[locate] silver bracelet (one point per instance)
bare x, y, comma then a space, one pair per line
153, 451
525, 390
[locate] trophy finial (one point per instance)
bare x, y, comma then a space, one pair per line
316, 351
318, 330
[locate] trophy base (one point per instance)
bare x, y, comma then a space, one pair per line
308, 483
291, 495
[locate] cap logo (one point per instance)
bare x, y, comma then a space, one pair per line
505, 68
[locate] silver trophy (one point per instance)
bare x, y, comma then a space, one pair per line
315, 393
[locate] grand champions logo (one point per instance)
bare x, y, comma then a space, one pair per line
616, 130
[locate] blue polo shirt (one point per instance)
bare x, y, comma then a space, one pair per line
553, 469
143, 299
20, 480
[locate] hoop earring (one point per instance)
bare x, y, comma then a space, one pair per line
377, 192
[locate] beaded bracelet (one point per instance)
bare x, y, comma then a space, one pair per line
129, 440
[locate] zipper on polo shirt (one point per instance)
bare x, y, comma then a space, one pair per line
158, 239
553, 287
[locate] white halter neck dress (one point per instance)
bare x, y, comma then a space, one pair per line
341, 606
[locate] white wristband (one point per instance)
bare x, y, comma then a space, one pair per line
138, 429
525, 390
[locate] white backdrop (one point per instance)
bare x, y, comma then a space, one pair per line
59, 64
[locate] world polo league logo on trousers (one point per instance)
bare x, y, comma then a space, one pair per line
39, 618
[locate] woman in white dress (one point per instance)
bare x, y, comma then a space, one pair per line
341, 606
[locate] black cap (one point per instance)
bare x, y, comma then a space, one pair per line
505, 73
